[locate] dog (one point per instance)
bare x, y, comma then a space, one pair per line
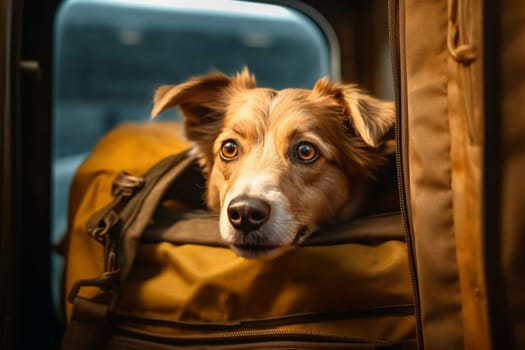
278, 164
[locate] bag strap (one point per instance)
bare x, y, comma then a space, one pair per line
89, 327
111, 225
180, 229
138, 214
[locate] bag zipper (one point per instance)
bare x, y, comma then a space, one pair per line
239, 337
390, 310
394, 38
260, 329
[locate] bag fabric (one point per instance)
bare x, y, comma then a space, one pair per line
441, 115
462, 126
350, 284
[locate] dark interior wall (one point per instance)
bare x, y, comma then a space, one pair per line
34, 320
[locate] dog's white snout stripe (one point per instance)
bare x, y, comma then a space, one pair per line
262, 187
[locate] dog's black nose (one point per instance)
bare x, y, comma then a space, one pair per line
247, 213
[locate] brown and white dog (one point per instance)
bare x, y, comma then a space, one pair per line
280, 163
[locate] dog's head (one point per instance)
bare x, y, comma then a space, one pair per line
279, 163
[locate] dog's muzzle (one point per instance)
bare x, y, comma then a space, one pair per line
254, 227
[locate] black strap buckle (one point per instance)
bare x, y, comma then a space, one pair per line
107, 282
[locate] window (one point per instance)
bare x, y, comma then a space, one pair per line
109, 57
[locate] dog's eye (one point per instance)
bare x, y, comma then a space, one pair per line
229, 150
306, 152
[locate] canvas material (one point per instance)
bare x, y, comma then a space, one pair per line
443, 118
209, 284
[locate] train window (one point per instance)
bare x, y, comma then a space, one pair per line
110, 55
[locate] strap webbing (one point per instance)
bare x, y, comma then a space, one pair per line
88, 328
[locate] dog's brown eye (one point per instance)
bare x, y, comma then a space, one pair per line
306, 152
229, 150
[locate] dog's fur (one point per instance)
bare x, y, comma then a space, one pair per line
345, 127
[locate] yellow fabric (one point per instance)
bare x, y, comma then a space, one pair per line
212, 284
208, 284
199, 283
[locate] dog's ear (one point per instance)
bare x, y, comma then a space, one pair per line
196, 97
203, 101
200, 97
371, 118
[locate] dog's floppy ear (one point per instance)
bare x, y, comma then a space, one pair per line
203, 101
195, 92
200, 97
371, 118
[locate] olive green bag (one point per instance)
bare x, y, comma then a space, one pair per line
147, 268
